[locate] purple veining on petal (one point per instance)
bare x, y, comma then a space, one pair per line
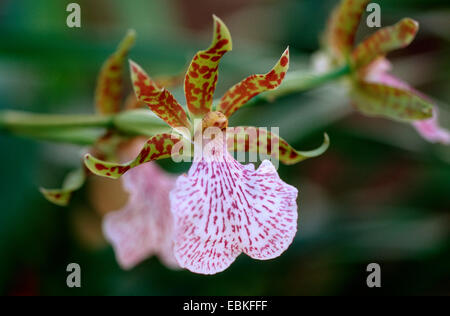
222, 208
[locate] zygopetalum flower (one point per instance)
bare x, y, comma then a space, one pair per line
221, 208
374, 91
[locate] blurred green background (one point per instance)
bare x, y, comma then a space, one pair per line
380, 194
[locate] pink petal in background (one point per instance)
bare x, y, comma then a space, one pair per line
429, 129
144, 227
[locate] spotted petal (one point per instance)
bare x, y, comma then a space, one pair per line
251, 86
201, 77
73, 182
157, 147
383, 41
144, 227
377, 99
160, 101
342, 27
428, 128
108, 94
260, 140
222, 208
131, 102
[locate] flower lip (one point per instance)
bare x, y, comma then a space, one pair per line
222, 208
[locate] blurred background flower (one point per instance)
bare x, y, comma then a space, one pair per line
380, 193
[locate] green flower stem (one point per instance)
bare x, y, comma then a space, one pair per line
77, 136
81, 129
300, 81
12, 120
140, 122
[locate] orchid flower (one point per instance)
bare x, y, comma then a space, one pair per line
221, 208
374, 91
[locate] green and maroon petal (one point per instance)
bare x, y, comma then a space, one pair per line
377, 99
201, 77
109, 91
73, 182
159, 100
251, 86
342, 26
259, 140
429, 129
157, 147
384, 41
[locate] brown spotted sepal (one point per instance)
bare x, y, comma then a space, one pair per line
157, 147
382, 94
384, 41
159, 100
73, 182
342, 27
109, 91
251, 86
378, 99
373, 90
201, 77
259, 140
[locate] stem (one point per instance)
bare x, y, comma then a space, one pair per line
81, 129
12, 120
82, 137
